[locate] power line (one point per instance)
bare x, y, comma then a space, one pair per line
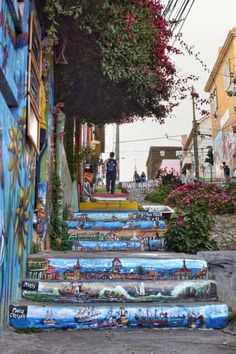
157, 138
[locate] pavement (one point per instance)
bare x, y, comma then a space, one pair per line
120, 342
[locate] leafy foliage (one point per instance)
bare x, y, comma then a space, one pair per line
58, 227
204, 196
118, 55
160, 193
189, 231
229, 187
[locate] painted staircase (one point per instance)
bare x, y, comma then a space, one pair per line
117, 276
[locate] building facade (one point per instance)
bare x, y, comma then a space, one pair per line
157, 154
221, 86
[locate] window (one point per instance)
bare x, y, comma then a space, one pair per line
214, 103
33, 89
162, 153
178, 153
227, 75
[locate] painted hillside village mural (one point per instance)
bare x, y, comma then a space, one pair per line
137, 231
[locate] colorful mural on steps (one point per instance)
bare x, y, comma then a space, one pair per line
202, 316
116, 216
116, 225
107, 235
116, 269
148, 244
17, 158
122, 291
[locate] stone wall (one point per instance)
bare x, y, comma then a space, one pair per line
222, 268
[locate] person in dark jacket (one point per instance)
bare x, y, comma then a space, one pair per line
111, 172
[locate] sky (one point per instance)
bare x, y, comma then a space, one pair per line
206, 28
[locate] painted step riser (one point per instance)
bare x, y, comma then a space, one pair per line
116, 269
104, 246
116, 225
106, 235
138, 291
213, 316
112, 205
115, 216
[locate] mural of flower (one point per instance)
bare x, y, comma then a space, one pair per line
15, 148
1, 160
2, 242
22, 216
22, 122
32, 170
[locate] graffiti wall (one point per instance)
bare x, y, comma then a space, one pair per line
17, 157
115, 317
224, 150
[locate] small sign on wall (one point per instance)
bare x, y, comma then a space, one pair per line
30, 285
17, 312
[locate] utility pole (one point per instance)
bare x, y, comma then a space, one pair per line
117, 152
195, 134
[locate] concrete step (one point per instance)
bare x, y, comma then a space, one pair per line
115, 215
180, 315
116, 225
116, 266
109, 205
119, 291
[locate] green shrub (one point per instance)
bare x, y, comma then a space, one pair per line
229, 187
189, 231
160, 193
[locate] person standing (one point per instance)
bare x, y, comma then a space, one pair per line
226, 170
111, 172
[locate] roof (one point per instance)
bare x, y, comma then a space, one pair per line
223, 51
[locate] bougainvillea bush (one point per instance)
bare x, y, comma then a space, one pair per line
204, 196
189, 231
118, 54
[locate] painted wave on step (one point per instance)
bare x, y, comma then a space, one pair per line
114, 216
213, 316
115, 225
116, 268
127, 291
100, 246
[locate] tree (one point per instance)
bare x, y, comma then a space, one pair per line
118, 59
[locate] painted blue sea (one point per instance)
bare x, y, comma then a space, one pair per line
151, 245
115, 225
213, 316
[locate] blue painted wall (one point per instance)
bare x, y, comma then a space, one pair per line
17, 157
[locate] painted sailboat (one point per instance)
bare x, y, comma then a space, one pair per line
49, 321
72, 290
87, 315
140, 289
123, 319
150, 319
